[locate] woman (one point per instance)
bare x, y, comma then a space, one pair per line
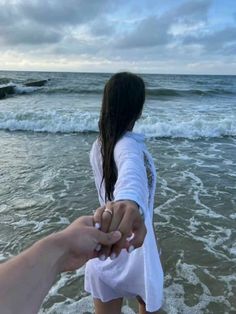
124, 170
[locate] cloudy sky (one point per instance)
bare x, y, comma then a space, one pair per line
146, 36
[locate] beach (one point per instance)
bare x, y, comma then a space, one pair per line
46, 181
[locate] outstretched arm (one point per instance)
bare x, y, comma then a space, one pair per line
130, 195
26, 278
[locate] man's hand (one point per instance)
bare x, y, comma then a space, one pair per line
26, 278
79, 241
125, 217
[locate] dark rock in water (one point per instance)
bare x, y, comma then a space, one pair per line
6, 90
36, 83
4, 80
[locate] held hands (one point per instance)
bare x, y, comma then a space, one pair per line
125, 217
78, 241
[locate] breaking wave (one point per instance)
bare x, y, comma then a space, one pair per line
79, 122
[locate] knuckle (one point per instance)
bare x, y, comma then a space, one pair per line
106, 217
138, 243
120, 205
98, 211
123, 205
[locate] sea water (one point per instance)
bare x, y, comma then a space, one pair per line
46, 180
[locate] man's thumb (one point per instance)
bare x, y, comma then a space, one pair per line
108, 238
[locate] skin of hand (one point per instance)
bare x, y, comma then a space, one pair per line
79, 241
127, 219
25, 279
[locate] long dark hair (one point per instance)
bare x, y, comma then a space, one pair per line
122, 104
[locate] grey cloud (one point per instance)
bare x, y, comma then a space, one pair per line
230, 50
190, 11
74, 47
214, 41
149, 32
72, 12
154, 30
36, 22
102, 27
8, 14
30, 35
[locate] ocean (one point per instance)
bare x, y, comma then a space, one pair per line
46, 181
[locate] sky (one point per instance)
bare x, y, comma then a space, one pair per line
144, 36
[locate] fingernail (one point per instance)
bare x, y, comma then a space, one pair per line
98, 247
97, 225
102, 257
131, 248
113, 256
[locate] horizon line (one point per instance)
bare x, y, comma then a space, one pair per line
101, 72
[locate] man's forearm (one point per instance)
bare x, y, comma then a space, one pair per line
26, 279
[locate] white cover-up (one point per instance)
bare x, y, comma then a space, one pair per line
140, 272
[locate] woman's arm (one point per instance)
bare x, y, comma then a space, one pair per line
130, 194
132, 181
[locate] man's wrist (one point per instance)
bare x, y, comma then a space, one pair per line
55, 250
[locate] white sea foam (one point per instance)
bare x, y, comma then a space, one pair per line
215, 242
20, 89
165, 205
187, 272
3, 207
71, 307
192, 128
232, 250
84, 121
198, 190
175, 293
84, 305
38, 225
194, 224
230, 281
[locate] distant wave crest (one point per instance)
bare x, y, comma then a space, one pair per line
79, 122
188, 92
161, 92
98, 90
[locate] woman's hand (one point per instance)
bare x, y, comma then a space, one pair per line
125, 217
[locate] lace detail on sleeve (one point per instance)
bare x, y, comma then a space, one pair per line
150, 177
